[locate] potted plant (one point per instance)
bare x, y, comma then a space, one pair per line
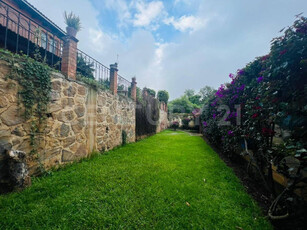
73, 23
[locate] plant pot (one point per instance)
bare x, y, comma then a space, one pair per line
71, 31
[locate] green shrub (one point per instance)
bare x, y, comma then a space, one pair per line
163, 96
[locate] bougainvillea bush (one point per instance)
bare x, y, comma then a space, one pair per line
262, 112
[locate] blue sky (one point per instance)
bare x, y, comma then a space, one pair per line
176, 44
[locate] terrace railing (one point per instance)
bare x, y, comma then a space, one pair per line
20, 34
123, 85
91, 68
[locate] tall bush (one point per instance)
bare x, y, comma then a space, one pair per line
264, 108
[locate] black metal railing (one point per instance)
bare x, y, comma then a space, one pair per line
91, 68
123, 85
21, 34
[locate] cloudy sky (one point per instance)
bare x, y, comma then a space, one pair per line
176, 44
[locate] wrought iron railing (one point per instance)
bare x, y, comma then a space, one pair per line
21, 34
123, 85
91, 68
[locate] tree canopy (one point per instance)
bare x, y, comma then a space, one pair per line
163, 96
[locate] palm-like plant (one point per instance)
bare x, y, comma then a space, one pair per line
73, 22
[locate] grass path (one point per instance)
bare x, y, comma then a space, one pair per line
157, 183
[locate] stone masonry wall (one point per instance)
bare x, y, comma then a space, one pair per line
163, 121
80, 120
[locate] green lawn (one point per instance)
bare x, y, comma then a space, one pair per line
157, 183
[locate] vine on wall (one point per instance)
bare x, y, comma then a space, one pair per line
34, 87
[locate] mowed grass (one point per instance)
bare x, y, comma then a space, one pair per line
157, 183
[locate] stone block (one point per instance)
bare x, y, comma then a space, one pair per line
12, 116
69, 141
70, 91
78, 125
80, 111
81, 90
64, 130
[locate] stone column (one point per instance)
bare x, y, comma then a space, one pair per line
69, 57
133, 88
113, 78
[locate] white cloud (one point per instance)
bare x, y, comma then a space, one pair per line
237, 35
147, 13
121, 8
186, 23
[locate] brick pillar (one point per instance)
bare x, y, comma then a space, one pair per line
113, 78
133, 89
69, 57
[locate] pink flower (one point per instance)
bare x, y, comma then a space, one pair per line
282, 52
255, 115
265, 57
230, 133
241, 71
260, 79
232, 76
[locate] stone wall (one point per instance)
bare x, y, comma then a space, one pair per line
80, 120
163, 121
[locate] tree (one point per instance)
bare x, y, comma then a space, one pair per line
163, 96
205, 93
189, 92
182, 105
195, 99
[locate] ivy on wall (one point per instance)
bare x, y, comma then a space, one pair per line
34, 87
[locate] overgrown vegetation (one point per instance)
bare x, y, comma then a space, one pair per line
262, 113
85, 69
169, 181
34, 87
103, 84
151, 92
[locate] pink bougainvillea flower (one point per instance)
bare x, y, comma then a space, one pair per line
265, 57
241, 71
214, 116
205, 124
260, 79
267, 132
230, 133
241, 87
255, 115
282, 52
231, 75
257, 98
